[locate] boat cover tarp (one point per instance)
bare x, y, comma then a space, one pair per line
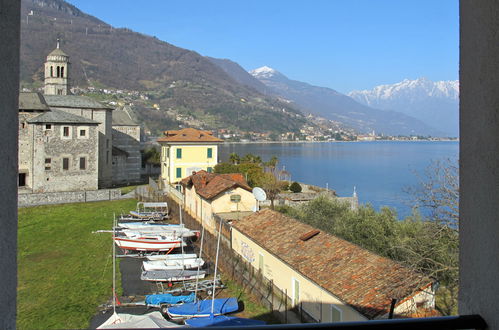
203, 308
168, 298
222, 321
152, 320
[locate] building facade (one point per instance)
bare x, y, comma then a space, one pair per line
330, 279
126, 157
207, 194
186, 151
57, 150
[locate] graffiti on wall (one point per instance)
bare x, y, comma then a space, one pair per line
247, 252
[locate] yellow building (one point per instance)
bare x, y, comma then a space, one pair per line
206, 194
331, 279
186, 151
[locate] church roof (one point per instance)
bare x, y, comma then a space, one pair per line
61, 117
57, 52
121, 117
74, 101
32, 101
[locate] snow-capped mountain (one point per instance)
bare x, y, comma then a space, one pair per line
435, 103
264, 72
328, 103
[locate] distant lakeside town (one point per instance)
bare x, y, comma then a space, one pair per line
321, 130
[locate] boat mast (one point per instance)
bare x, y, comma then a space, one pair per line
114, 264
216, 266
199, 266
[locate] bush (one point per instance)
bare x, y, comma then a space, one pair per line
295, 187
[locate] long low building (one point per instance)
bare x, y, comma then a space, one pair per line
331, 279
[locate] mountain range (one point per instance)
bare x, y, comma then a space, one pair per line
177, 79
218, 93
330, 104
434, 103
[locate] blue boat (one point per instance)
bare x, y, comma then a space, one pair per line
203, 308
156, 300
222, 321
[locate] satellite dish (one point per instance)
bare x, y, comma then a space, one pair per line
259, 194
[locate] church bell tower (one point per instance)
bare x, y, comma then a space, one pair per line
57, 72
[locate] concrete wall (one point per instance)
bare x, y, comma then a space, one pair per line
9, 93
479, 159
68, 197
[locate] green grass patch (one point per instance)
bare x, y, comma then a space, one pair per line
64, 271
252, 308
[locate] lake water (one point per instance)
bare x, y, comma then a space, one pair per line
379, 170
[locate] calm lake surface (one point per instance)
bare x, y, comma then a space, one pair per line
379, 170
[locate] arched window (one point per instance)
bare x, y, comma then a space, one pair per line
62, 72
58, 71
51, 71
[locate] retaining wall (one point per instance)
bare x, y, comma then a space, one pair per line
64, 197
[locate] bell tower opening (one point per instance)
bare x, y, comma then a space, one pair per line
57, 72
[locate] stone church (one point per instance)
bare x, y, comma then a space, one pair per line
69, 142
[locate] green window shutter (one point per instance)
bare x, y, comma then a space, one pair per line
209, 169
179, 153
179, 172
210, 152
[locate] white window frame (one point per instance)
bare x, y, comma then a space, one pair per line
81, 128
261, 257
333, 307
293, 288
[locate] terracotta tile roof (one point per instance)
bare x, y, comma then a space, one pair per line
365, 281
210, 185
188, 135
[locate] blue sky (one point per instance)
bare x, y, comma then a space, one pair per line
344, 45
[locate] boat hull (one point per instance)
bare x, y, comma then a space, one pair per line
146, 244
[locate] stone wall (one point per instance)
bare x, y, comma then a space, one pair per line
49, 150
68, 197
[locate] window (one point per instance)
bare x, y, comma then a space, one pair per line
48, 126
179, 153
107, 157
179, 172
62, 72
66, 131
167, 152
65, 164
58, 71
210, 152
107, 143
48, 161
51, 71
296, 292
22, 179
83, 132
209, 169
83, 163
335, 314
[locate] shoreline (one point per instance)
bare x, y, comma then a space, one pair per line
296, 142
